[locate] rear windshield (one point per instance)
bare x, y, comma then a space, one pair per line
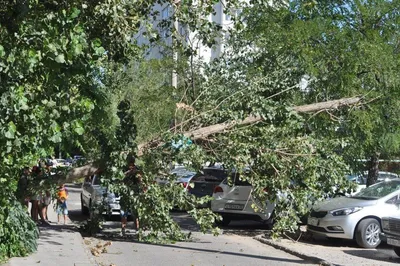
217, 173
234, 179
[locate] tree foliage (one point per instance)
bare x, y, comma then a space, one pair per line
51, 56
57, 61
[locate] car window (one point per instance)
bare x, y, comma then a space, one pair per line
97, 180
379, 190
219, 174
358, 179
393, 200
206, 178
88, 179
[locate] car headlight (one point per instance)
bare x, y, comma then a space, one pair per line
345, 211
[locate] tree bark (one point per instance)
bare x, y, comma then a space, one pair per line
373, 169
204, 132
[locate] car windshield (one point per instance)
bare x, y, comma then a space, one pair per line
97, 181
182, 173
379, 190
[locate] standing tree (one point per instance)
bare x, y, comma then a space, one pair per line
340, 49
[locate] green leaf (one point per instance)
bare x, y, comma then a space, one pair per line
75, 13
12, 129
57, 138
2, 52
79, 130
60, 59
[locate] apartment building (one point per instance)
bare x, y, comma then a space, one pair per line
222, 16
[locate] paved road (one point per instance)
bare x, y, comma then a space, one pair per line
227, 249
235, 246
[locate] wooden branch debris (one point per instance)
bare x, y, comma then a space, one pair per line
204, 132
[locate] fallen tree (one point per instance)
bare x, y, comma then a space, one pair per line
204, 132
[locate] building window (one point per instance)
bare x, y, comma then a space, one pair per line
164, 16
165, 13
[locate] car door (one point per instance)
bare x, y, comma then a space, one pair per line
87, 189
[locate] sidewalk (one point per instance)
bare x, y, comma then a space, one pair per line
60, 245
326, 252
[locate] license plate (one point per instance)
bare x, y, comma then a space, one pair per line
393, 242
313, 221
234, 206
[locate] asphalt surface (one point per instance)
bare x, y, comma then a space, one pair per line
235, 246
241, 243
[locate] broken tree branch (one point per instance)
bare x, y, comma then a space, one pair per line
204, 132
220, 128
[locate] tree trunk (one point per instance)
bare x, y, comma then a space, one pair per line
373, 169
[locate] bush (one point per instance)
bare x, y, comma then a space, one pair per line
18, 233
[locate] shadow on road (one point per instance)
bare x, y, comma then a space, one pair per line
387, 255
214, 251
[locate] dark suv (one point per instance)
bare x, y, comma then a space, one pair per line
391, 232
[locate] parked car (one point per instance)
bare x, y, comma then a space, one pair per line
357, 217
391, 231
63, 163
93, 193
361, 179
182, 177
234, 202
199, 184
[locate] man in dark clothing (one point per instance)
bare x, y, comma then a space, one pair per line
132, 181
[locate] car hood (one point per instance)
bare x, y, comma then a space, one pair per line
342, 202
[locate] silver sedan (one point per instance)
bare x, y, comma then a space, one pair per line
357, 217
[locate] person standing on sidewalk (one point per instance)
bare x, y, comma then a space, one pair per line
133, 181
62, 209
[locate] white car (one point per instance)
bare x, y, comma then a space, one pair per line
235, 203
357, 217
93, 194
361, 179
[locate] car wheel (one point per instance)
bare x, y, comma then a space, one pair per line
84, 209
224, 222
367, 233
397, 250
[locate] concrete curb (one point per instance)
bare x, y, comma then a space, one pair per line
280, 246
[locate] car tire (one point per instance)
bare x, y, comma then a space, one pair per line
224, 222
367, 233
84, 209
397, 250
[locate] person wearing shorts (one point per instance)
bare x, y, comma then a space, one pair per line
62, 209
